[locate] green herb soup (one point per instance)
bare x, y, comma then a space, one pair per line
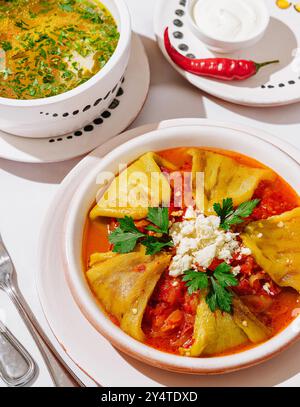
50, 47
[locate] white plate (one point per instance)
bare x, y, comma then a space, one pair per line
272, 86
121, 113
84, 345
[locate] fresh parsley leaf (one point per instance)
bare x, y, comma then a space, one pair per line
223, 275
229, 216
195, 280
246, 208
127, 225
211, 300
216, 283
160, 218
155, 245
125, 237
225, 209
223, 296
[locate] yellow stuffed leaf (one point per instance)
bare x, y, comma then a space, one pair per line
218, 332
124, 290
139, 186
255, 330
225, 177
274, 243
215, 332
97, 258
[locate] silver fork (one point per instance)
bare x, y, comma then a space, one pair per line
60, 372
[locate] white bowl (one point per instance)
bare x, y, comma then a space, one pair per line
69, 111
208, 134
222, 46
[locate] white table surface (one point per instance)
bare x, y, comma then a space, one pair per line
27, 190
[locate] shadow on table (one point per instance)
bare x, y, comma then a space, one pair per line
52, 173
288, 114
271, 373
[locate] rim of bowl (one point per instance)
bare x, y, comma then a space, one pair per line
125, 35
92, 311
256, 33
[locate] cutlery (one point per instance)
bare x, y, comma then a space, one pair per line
60, 372
17, 368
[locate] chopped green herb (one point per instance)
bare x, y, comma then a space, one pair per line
22, 24
66, 7
216, 283
160, 218
155, 245
127, 236
230, 216
195, 280
6, 45
223, 274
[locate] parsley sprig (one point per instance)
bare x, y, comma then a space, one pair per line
230, 216
127, 236
216, 283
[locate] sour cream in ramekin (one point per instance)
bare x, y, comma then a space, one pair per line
228, 25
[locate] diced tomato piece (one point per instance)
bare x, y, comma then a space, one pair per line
215, 263
273, 200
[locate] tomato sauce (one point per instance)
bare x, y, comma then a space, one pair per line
170, 314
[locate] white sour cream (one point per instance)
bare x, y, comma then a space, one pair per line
229, 20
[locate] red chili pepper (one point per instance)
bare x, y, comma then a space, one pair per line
219, 68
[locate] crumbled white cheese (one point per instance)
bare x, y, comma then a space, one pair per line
259, 235
267, 287
134, 311
236, 270
245, 251
190, 213
280, 224
245, 323
198, 240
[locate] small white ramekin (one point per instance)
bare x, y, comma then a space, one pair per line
208, 134
72, 110
218, 45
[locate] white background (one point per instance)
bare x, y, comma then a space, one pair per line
27, 190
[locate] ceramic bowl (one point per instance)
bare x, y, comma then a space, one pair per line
69, 111
221, 46
208, 134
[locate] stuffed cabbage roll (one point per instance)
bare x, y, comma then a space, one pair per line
274, 243
124, 284
225, 177
255, 330
218, 332
97, 258
138, 187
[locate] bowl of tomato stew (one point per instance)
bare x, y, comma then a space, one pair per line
61, 63
184, 259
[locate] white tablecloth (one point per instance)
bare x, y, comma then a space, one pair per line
27, 190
